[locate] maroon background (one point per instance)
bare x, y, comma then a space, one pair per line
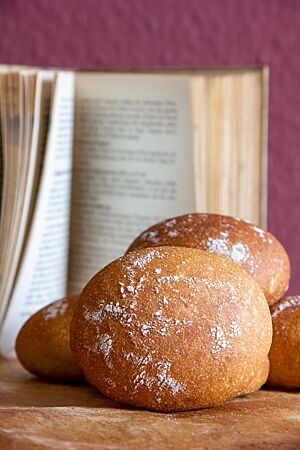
176, 33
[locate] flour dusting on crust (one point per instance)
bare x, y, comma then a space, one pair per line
221, 337
237, 252
153, 373
288, 302
56, 309
105, 344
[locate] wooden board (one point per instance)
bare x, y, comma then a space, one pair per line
41, 415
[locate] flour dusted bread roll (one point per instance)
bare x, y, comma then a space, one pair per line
43, 343
172, 329
256, 250
285, 350
257, 380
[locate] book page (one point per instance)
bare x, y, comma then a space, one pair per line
42, 274
34, 117
11, 129
133, 163
230, 167
19, 159
1, 168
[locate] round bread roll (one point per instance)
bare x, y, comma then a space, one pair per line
43, 343
256, 382
172, 329
285, 350
256, 250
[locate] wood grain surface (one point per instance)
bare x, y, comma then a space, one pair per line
35, 414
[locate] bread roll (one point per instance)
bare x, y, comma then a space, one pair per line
256, 250
43, 343
285, 350
259, 379
172, 329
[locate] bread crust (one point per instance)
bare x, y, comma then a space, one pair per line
256, 250
172, 329
43, 343
285, 350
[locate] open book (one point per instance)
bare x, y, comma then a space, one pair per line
89, 159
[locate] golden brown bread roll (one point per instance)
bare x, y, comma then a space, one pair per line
257, 380
43, 343
256, 250
285, 350
172, 329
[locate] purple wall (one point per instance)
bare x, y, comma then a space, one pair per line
155, 33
